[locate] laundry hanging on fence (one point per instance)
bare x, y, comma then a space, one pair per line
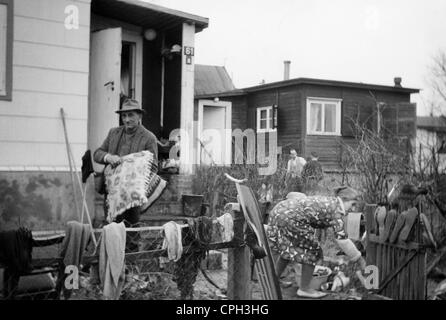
172, 241
226, 224
354, 225
186, 269
133, 183
111, 260
16, 250
76, 239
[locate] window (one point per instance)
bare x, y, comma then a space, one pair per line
323, 116
5, 49
265, 119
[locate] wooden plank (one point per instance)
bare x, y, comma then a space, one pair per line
379, 260
41, 130
388, 267
36, 104
51, 10
50, 81
401, 245
43, 154
422, 279
44, 56
401, 255
48, 32
414, 276
394, 284
239, 267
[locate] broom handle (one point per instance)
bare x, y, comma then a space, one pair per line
84, 202
69, 159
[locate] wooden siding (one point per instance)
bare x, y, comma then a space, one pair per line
289, 123
357, 104
239, 113
50, 71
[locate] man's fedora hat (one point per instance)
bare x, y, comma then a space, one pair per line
130, 105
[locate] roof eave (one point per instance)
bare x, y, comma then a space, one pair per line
301, 81
199, 22
220, 94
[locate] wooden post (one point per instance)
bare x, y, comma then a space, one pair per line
370, 228
239, 271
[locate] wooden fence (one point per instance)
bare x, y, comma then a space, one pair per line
402, 265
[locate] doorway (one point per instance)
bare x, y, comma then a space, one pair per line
214, 132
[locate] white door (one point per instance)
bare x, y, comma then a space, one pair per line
105, 84
215, 132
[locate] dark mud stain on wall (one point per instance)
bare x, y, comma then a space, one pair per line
22, 206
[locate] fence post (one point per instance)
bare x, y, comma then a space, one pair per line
370, 229
239, 271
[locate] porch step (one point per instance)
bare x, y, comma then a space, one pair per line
166, 208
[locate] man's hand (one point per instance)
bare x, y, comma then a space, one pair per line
113, 160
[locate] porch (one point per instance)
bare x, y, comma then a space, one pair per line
145, 52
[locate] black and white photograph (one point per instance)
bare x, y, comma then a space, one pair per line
238, 152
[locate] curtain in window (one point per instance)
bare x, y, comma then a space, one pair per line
316, 117
330, 117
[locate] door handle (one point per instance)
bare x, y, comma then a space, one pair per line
112, 83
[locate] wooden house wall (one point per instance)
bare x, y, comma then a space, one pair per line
357, 105
50, 71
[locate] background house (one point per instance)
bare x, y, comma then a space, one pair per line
431, 137
82, 56
315, 115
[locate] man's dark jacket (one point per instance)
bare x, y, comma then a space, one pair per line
142, 140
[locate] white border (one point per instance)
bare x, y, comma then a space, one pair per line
270, 115
338, 103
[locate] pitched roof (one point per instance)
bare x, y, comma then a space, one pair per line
432, 123
211, 79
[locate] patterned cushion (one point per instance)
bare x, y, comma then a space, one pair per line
133, 183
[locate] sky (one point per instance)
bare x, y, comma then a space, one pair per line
369, 41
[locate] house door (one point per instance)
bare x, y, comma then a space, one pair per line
105, 83
215, 132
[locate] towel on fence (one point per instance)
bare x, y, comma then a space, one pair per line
133, 183
354, 225
172, 241
111, 260
16, 250
77, 236
227, 223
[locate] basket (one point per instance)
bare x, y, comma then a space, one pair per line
317, 281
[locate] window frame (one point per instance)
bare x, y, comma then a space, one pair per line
337, 102
9, 46
269, 119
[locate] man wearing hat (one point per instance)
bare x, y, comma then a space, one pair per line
129, 138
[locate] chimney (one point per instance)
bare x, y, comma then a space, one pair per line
397, 82
286, 70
